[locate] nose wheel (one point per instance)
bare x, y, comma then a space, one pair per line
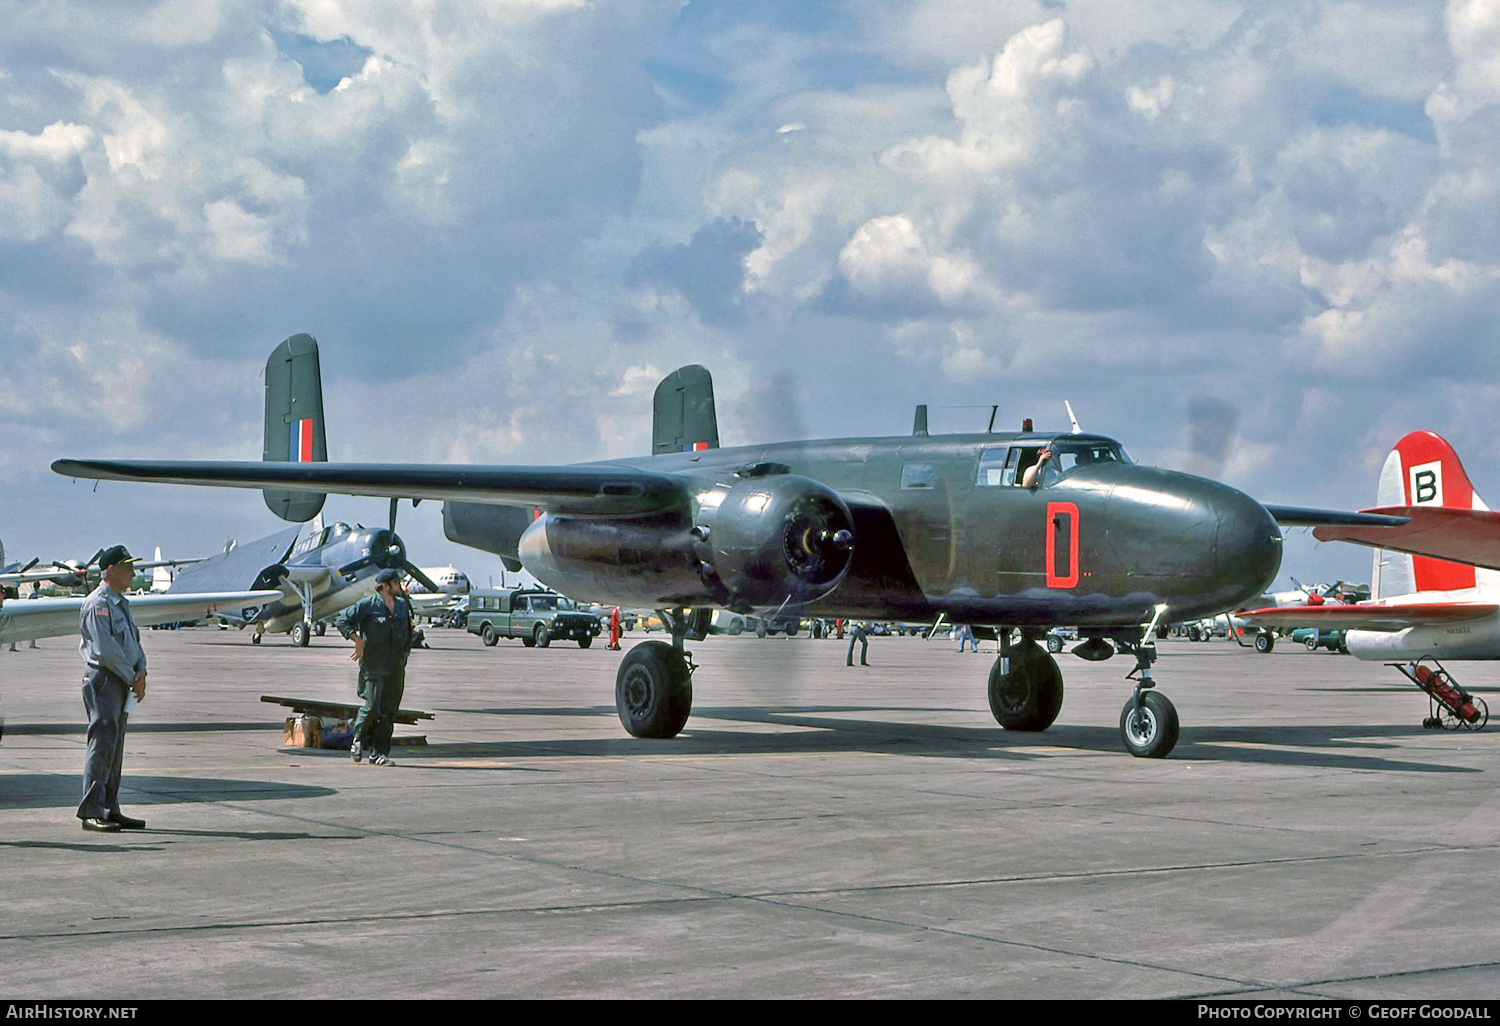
1148, 725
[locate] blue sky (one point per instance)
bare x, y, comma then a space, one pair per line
1255, 241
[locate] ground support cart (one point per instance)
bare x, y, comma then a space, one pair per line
1451, 705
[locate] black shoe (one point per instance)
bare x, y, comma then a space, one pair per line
104, 826
127, 822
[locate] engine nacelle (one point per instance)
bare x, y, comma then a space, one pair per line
773, 540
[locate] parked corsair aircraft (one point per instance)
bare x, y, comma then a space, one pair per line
1022, 531
329, 569
1420, 606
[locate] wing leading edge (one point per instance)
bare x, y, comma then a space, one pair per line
1395, 617
589, 490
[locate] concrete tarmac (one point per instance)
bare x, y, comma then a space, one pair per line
817, 831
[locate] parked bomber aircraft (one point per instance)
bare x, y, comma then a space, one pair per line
1421, 605
1022, 531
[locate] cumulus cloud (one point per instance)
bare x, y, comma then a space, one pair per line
514, 213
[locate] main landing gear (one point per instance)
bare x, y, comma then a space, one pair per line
1026, 691
654, 686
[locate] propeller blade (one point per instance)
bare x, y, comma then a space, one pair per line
418, 576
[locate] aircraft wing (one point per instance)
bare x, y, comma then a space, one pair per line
1460, 535
588, 490
1302, 516
24, 619
32, 576
1361, 617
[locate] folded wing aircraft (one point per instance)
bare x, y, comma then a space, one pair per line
1021, 531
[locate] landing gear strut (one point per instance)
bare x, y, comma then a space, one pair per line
1026, 687
1148, 723
654, 686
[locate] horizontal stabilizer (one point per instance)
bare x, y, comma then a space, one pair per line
1458, 535
1301, 516
597, 490
1371, 617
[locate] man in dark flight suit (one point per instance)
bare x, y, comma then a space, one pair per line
381, 629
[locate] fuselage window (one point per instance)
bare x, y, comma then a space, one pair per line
992, 468
919, 475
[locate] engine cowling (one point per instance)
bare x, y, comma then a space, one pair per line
774, 540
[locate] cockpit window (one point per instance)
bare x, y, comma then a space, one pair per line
1007, 467
1068, 456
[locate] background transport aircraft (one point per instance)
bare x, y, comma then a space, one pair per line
908, 527
1420, 606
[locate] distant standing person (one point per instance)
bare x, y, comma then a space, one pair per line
966, 633
859, 631
380, 627
111, 647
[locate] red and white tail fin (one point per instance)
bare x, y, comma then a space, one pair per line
1423, 470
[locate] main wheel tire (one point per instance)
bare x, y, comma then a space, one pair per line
791, 630
1149, 732
1054, 644
585, 641
1031, 695
541, 637
300, 634
489, 636
1311, 641
653, 690
1194, 634
1265, 642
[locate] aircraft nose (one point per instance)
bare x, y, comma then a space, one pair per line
1249, 543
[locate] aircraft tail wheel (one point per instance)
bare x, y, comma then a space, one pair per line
1031, 695
255, 638
653, 690
1150, 730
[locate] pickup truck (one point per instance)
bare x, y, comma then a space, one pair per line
535, 616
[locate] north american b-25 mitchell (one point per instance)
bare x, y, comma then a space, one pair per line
1021, 531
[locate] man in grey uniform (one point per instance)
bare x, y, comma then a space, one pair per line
111, 647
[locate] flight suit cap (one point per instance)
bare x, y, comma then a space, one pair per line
115, 554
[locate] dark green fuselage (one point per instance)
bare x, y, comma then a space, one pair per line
939, 526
